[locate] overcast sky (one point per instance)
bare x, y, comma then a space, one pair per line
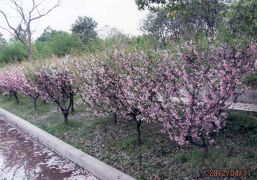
122, 14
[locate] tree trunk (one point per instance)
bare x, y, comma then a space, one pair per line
29, 54
16, 97
65, 115
72, 103
204, 145
115, 118
35, 103
205, 151
29, 49
138, 123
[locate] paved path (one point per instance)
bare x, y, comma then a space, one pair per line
21, 157
234, 106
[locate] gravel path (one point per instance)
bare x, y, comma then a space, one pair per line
24, 158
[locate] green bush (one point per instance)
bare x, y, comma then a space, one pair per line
43, 49
12, 51
251, 80
240, 122
63, 43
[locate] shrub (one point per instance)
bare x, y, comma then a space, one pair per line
12, 51
43, 49
64, 43
251, 80
240, 122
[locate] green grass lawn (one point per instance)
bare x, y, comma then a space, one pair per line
235, 147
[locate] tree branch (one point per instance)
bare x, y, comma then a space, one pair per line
7, 21
44, 14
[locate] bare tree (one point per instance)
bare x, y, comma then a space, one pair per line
23, 31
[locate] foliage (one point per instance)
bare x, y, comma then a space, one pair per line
63, 43
58, 43
47, 35
161, 26
85, 28
174, 16
242, 18
25, 15
251, 80
119, 40
43, 49
2, 40
12, 51
240, 122
237, 26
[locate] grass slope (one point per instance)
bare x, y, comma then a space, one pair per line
158, 157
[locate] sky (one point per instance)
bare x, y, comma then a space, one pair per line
121, 14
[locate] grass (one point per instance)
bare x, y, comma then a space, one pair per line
157, 158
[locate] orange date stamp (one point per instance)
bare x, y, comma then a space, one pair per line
229, 173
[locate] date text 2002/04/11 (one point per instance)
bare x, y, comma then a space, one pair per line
229, 173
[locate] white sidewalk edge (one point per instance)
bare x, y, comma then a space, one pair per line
89, 163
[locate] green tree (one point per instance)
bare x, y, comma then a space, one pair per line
238, 25
2, 40
161, 26
194, 15
47, 35
26, 16
42, 43
64, 43
85, 28
13, 51
242, 18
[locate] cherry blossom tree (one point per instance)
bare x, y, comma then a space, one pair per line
118, 83
26, 87
193, 92
54, 83
100, 85
9, 82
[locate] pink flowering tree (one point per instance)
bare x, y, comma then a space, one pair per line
192, 93
119, 83
10, 82
54, 82
27, 87
96, 86
137, 71
13, 81
100, 89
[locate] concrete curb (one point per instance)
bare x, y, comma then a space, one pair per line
89, 163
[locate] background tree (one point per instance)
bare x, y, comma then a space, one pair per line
85, 28
58, 43
189, 17
12, 51
64, 43
26, 18
47, 35
161, 26
241, 18
2, 40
